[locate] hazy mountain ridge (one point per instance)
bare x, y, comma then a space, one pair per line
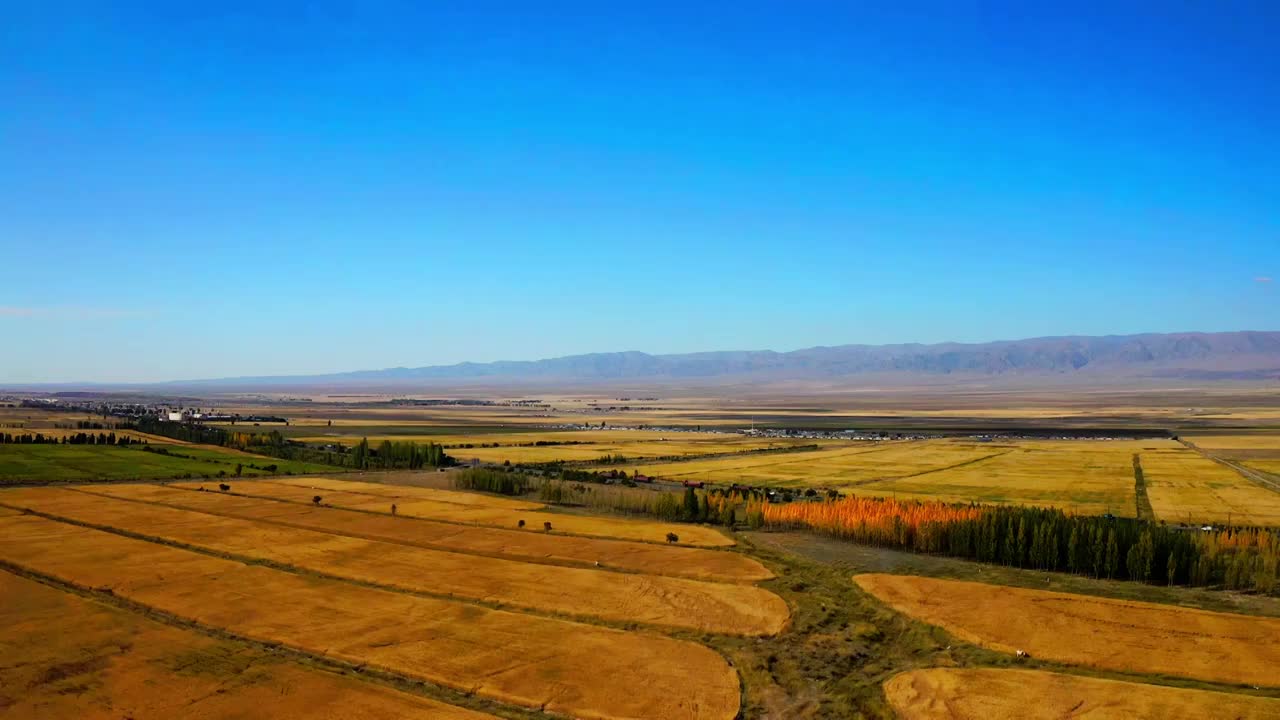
1230, 355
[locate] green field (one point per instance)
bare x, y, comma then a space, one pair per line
35, 463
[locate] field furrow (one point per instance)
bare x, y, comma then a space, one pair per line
82, 659
991, 694
1111, 634
508, 517
617, 597
669, 560
566, 667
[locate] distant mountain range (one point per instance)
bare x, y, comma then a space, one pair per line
1191, 356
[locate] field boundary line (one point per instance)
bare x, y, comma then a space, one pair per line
667, 631
373, 674
1142, 500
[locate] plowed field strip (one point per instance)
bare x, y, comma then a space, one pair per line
634, 530
990, 694
565, 667
1111, 634
485, 541
579, 592
75, 658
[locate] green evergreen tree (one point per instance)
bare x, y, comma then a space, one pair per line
1113, 555
690, 505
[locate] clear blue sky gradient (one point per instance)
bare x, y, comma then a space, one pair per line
246, 189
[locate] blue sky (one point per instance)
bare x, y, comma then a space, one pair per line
237, 189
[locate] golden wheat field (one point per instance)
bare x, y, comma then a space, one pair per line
852, 464
507, 515
595, 593
646, 558
1249, 441
1118, 635
85, 660
533, 661
1008, 694
1084, 476
1184, 486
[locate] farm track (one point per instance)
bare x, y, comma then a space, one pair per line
623, 556
1143, 509
580, 670
576, 594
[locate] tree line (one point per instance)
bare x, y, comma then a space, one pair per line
70, 439
1045, 539
408, 455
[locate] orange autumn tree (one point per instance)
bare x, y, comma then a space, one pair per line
874, 521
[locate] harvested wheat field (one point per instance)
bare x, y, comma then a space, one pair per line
595, 593
991, 694
1185, 486
1100, 632
642, 530
396, 493
648, 558
1092, 477
566, 667
81, 659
